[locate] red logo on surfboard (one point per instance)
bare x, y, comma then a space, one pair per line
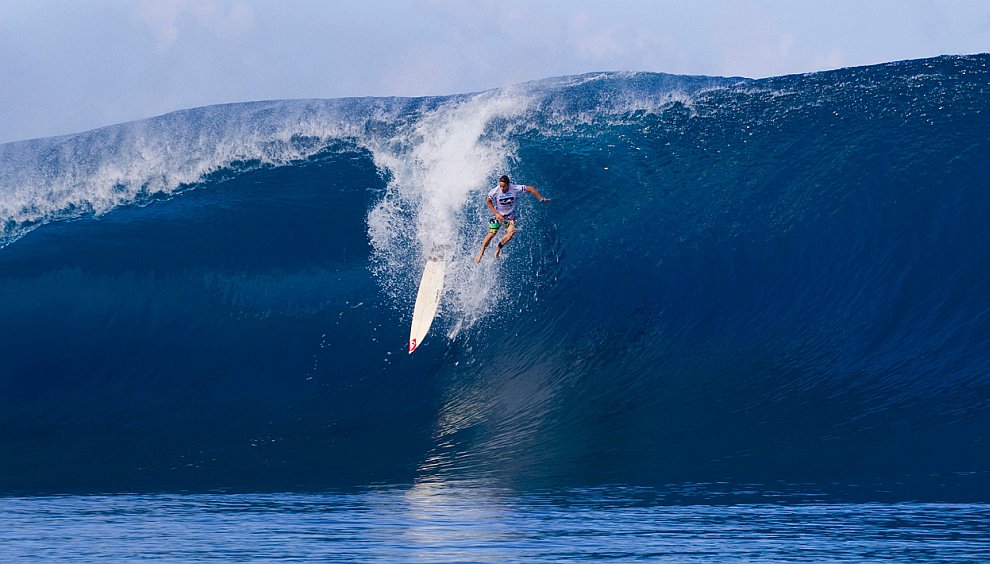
412, 345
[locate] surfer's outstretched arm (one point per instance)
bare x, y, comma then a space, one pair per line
532, 190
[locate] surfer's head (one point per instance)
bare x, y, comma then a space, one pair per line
503, 183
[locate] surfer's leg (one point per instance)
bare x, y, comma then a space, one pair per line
484, 245
509, 232
493, 227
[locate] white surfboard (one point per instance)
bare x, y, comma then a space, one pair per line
427, 301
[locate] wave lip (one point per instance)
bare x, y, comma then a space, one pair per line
93, 172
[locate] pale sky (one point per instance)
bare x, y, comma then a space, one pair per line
72, 65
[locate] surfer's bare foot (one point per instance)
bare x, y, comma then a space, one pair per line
498, 251
477, 259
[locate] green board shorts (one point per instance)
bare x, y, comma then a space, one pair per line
494, 225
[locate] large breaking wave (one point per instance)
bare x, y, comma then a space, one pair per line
754, 281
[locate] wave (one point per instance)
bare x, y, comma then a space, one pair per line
744, 280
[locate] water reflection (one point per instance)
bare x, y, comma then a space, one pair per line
443, 522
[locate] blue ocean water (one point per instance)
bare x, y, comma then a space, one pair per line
430, 523
739, 285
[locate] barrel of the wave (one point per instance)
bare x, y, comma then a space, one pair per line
427, 300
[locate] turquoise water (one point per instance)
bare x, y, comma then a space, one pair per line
431, 523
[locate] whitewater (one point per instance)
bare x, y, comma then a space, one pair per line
769, 292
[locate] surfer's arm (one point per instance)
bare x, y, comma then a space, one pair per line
532, 190
491, 206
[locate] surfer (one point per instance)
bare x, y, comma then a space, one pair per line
502, 200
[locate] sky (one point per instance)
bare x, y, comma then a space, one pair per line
72, 65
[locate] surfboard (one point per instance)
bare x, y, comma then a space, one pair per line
427, 301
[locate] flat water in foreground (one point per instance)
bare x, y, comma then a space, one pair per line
437, 524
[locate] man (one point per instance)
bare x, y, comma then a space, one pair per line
502, 200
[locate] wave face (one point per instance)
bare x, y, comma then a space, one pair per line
751, 281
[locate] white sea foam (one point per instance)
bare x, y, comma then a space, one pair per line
94, 172
440, 160
441, 166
